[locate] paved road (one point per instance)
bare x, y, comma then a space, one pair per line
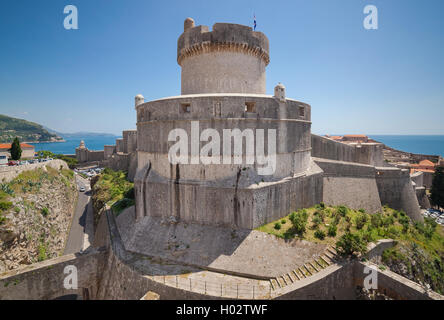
79, 234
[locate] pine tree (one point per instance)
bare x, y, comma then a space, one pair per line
16, 150
437, 190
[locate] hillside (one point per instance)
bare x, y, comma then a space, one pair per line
26, 131
35, 213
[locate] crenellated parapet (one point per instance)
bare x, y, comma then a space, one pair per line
224, 37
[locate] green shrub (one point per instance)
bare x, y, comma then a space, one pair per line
2, 219
376, 220
44, 211
351, 244
320, 214
283, 221
361, 210
342, 210
388, 221
427, 228
5, 205
319, 234
299, 221
42, 251
332, 229
277, 226
17, 209
361, 220
316, 221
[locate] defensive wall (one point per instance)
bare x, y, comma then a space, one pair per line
8, 173
45, 280
349, 184
108, 272
365, 153
397, 191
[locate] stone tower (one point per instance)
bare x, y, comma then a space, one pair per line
223, 89
229, 59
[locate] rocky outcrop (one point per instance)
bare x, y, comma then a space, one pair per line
36, 226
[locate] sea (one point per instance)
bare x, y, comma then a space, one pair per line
423, 144
70, 144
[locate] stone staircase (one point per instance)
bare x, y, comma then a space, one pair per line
306, 270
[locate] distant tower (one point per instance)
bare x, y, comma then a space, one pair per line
82, 145
229, 59
279, 92
188, 24
139, 99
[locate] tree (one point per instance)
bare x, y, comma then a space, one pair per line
437, 190
16, 150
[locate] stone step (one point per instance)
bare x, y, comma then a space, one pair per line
330, 256
291, 277
332, 251
326, 259
285, 280
307, 269
274, 284
302, 272
296, 274
313, 266
319, 264
280, 281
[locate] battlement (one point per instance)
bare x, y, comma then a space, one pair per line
225, 36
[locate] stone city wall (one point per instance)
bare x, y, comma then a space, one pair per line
367, 153
45, 280
397, 191
350, 184
236, 202
8, 173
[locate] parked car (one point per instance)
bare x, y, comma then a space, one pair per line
12, 163
82, 189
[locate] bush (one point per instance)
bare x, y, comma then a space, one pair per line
342, 210
388, 221
44, 211
361, 220
5, 205
277, 226
319, 234
427, 228
332, 229
316, 221
376, 220
320, 214
351, 244
299, 221
283, 221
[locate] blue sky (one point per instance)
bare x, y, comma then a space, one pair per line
385, 81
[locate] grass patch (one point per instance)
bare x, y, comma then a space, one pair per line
112, 188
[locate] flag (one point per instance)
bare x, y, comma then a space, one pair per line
254, 22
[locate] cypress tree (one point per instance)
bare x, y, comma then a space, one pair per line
16, 150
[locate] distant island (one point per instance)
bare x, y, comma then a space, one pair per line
26, 131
